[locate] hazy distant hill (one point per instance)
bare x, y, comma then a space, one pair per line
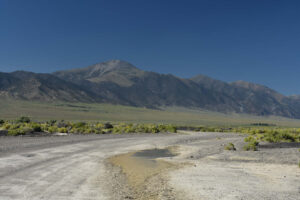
122, 83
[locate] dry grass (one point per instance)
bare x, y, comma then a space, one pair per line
12, 109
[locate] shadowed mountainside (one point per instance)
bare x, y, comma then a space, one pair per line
119, 82
42, 87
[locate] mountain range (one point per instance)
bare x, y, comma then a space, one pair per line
119, 82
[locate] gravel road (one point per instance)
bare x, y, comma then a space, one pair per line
75, 167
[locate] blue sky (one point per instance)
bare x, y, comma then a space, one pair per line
253, 40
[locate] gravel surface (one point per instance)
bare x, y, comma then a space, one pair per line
75, 167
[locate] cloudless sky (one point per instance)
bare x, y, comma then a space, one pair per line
251, 40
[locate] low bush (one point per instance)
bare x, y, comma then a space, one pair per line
230, 147
62, 130
251, 146
52, 129
36, 128
249, 139
79, 124
108, 126
7, 126
15, 132
51, 122
23, 119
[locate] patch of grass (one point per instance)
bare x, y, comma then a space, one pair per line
251, 146
230, 147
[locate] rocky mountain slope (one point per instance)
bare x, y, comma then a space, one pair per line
119, 82
43, 87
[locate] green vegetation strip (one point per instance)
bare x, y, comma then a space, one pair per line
24, 125
271, 134
255, 133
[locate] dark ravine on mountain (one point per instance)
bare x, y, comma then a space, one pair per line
119, 82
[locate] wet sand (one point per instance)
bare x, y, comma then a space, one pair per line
140, 166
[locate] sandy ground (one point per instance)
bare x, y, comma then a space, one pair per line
79, 167
270, 173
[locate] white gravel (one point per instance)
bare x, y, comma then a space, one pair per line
73, 167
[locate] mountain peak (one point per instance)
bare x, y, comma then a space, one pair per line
117, 62
111, 65
117, 71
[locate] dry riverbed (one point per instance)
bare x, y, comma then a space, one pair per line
146, 166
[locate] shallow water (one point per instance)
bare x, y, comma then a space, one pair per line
140, 166
154, 153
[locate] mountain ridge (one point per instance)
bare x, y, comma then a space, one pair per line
119, 82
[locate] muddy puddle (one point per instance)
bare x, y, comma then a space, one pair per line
140, 166
154, 153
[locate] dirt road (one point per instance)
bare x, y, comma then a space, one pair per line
93, 167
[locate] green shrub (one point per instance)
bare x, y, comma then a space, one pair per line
105, 131
79, 124
62, 130
23, 119
154, 129
88, 130
36, 128
51, 122
7, 126
98, 131
52, 129
116, 130
251, 146
171, 128
127, 129
249, 139
230, 147
73, 130
271, 138
15, 132
27, 129
288, 137
99, 125
2, 121
108, 125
